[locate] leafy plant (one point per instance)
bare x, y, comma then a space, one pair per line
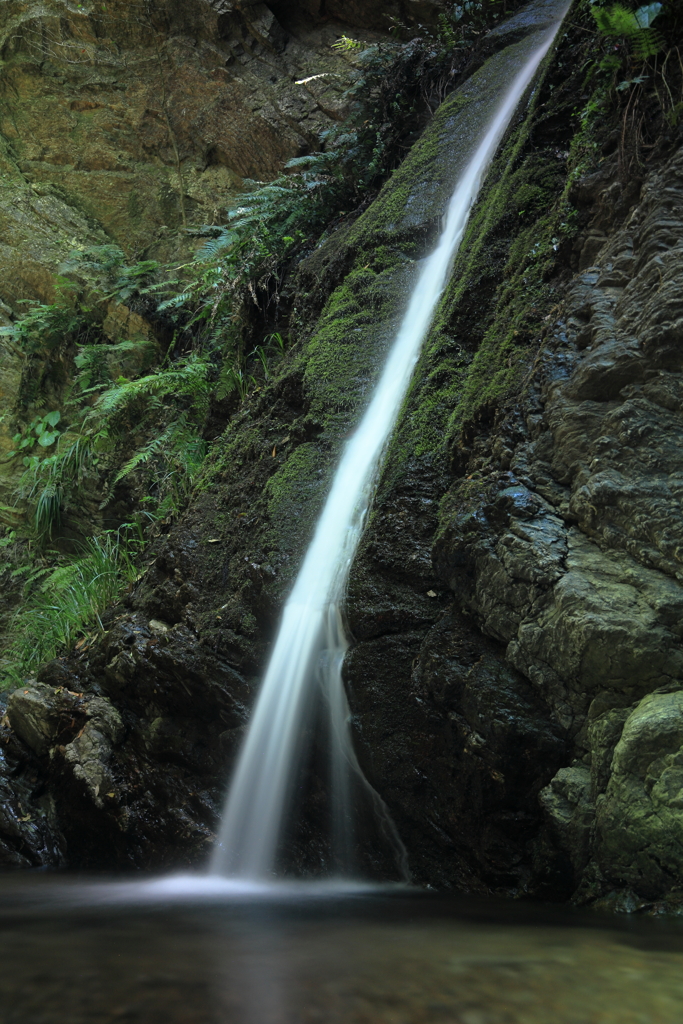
94, 363
186, 379
346, 45
44, 328
105, 269
175, 457
233, 379
635, 26
275, 341
42, 431
65, 602
54, 482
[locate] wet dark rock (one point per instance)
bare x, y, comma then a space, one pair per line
131, 766
583, 587
478, 742
38, 714
29, 831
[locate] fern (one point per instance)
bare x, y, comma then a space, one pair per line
635, 26
188, 379
144, 454
105, 267
175, 302
175, 458
346, 45
233, 379
45, 328
94, 362
215, 246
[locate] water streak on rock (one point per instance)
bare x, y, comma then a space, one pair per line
309, 650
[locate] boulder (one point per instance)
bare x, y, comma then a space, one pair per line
639, 818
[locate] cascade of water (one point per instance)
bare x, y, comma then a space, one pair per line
311, 643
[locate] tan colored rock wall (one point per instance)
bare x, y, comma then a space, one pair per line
149, 115
124, 121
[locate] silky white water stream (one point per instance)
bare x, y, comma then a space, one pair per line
311, 642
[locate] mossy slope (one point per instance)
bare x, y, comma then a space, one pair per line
340, 356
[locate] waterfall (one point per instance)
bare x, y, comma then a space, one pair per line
311, 643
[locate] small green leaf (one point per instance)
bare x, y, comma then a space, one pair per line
48, 438
53, 417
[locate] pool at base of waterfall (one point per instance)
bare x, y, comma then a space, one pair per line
193, 950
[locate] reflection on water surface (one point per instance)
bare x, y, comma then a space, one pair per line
204, 953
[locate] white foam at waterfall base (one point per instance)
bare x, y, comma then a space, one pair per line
307, 657
196, 889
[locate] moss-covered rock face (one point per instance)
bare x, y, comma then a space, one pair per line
344, 354
639, 816
559, 539
343, 348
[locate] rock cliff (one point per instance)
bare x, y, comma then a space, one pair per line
517, 665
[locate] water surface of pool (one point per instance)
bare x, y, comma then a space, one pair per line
195, 951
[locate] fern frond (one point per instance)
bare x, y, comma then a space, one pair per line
142, 456
175, 301
310, 160
214, 246
187, 379
646, 43
633, 25
347, 45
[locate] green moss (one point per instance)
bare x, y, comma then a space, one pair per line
346, 353
403, 214
238, 444
489, 323
294, 496
460, 507
419, 190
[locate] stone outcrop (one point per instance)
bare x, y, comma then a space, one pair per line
573, 560
141, 123
135, 759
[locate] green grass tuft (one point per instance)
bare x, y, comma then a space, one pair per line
65, 603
